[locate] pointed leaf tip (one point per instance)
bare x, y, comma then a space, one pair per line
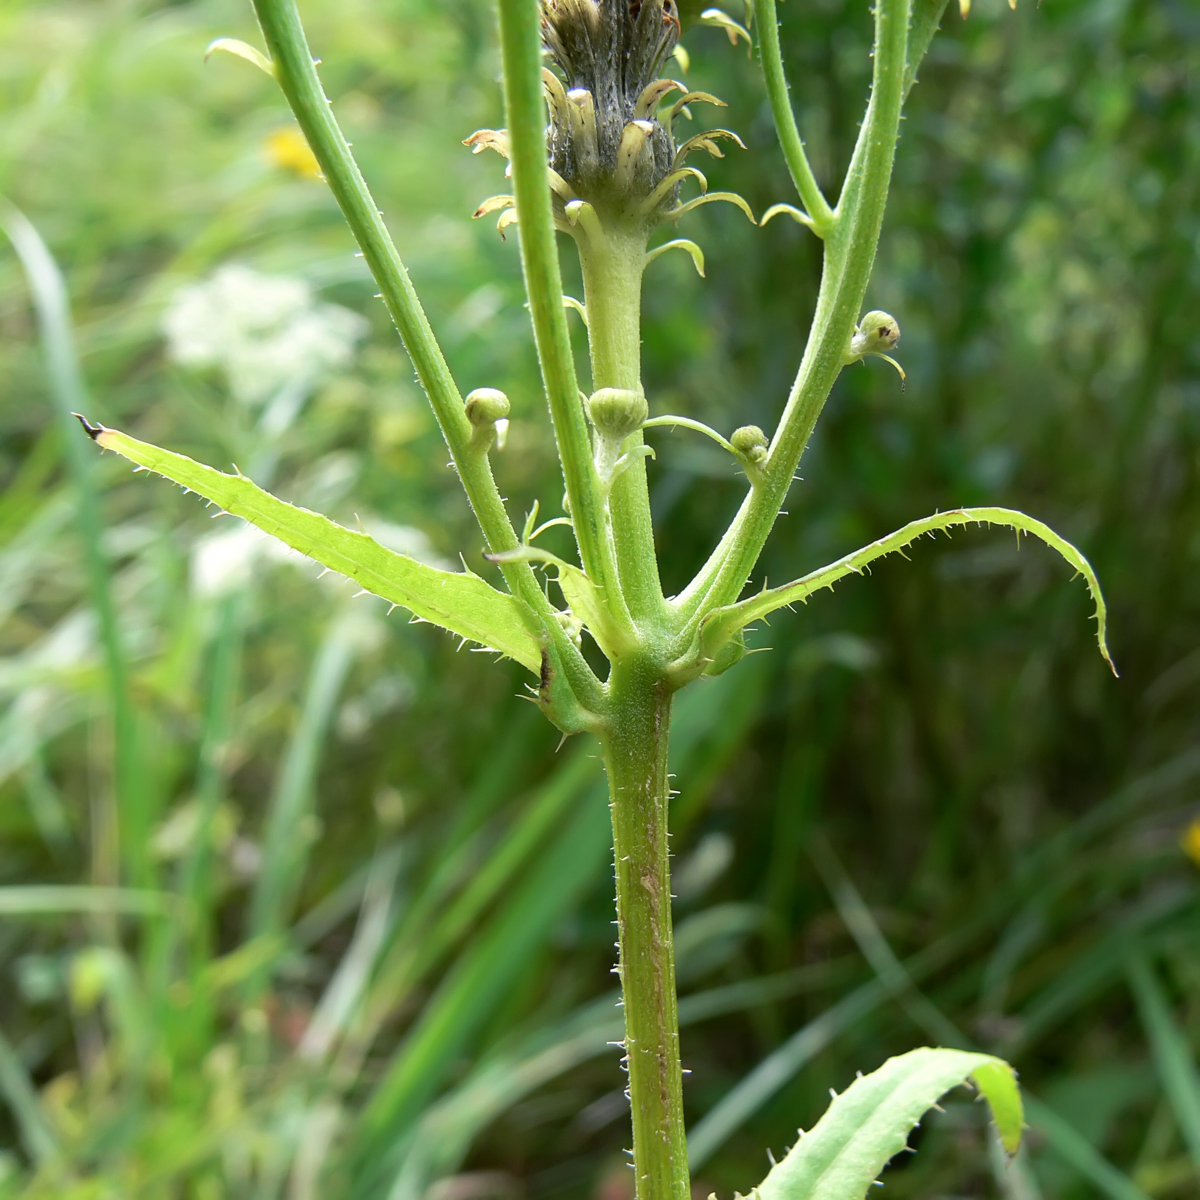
93, 431
711, 197
870, 1122
722, 20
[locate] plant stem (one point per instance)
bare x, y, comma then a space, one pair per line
612, 265
790, 141
635, 757
297, 75
850, 246
521, 53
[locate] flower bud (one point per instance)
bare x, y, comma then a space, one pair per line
750, 442
487, 410
877, 333
486, 406
617, 412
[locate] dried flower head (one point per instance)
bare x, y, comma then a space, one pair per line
604, 134
612, 149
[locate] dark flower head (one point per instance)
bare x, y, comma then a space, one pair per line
613, 157
605, 139
614, 48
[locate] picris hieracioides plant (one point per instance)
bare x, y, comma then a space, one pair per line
594, 150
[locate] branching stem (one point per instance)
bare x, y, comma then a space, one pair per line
767, 25
520, 46
297, 76
850, 245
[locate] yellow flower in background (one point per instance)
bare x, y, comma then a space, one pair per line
287, 148
1190, 841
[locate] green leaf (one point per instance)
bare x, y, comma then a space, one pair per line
1172, 1054
723, 623
459, 602
869, 1123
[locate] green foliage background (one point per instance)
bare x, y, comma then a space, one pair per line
1010, 816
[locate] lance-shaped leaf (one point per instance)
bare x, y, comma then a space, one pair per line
460, 602
869, 1123
723, 623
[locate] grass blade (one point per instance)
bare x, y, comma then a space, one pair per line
345, 990
37, 1134
875, 949
483, 976
1172, 1054
285, 854
38, 899
1073, 1148
49, 293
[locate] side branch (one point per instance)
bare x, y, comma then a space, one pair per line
297, 75
850, 246
767, 24
520, 45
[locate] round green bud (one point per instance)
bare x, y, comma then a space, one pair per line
877, 333
617, 412
750, 442
486, 406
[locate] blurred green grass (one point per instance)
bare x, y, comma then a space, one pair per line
342, 927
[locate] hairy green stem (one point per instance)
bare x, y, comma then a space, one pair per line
767, 25
613, 264
635, 757
521, 53
297, 75
850, 247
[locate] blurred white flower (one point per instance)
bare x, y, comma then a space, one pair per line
225, 561
263, 331
229, 558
